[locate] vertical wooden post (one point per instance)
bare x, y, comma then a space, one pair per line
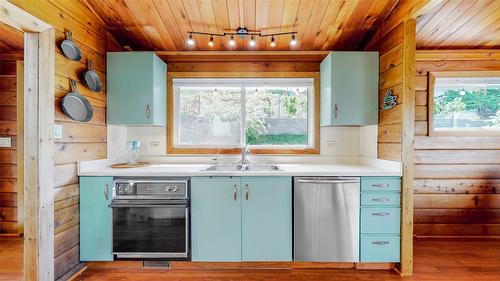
409, 48
39, 78
20, 144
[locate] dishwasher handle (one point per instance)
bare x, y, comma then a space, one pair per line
332, 181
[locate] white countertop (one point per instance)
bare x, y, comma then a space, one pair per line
346, 166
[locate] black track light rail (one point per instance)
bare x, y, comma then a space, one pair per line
241, 34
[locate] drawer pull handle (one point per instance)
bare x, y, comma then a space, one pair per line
381, 185
380, 243
384, 199
235, 193
381, 214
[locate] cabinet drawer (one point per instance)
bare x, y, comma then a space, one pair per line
380, 249
380, 184
380, 220
380, 199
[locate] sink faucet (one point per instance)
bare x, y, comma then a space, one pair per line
245, 152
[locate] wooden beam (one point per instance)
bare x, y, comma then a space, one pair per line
409, 46
20, 145
253, 56
16, 17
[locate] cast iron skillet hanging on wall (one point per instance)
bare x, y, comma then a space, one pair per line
70, 49
76, 106
91, 79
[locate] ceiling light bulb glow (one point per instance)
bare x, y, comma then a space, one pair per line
293, 42
252, 42
273, 43
190, 40
231, 41
211, 41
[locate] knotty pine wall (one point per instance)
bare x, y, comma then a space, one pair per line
80, 141
457, 179
8, 156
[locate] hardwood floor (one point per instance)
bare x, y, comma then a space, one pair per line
11, 258
435, 260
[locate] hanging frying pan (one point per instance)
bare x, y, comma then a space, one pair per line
76, 106
70, 49
91, 79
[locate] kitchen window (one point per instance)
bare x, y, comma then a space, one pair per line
464, 103
270, 115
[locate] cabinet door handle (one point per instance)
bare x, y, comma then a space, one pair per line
380, 242
335, 111
380, 185
246, 192
383, 199
381, 214
235, 193
148, 111
106, 192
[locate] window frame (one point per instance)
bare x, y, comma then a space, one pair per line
315, 128
430, 107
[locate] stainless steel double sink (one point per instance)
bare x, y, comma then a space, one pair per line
242, 167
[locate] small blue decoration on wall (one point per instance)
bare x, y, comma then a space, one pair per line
389, 100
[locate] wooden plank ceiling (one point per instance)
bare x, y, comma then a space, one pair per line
467, 24
11, 39
163, 25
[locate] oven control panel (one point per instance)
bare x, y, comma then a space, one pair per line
149, 188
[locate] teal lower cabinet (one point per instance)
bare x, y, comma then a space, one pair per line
266, 216
215, 219
380, 219
95, 219
241, 219
380, 248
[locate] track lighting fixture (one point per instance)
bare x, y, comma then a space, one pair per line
243, 33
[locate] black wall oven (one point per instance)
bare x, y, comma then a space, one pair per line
151, 218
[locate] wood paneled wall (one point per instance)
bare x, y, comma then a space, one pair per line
9, 219
80, 141
457, 179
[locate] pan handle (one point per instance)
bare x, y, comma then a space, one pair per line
73, 86
69, 34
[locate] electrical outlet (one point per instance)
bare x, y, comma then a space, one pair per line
6, 142
154, 143
332, 144
57, 131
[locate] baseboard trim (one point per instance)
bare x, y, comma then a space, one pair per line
422, 237
74, 273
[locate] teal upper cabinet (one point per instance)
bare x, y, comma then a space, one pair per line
349, 89
266, 216
136, 93
95, 219
216, 219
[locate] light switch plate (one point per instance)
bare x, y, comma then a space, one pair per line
57, 131
6, 142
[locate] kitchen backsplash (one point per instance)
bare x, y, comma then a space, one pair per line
335, 141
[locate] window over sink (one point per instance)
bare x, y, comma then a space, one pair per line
270, 115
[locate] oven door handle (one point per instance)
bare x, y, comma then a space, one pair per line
147, 205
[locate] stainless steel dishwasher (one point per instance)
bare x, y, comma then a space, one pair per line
326, 219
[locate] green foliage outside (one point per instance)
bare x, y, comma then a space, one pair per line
253, 139
485, 103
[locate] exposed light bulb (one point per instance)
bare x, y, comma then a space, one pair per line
293, 42
190, 40
211, 41
231, 41
273, 43
252, 42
